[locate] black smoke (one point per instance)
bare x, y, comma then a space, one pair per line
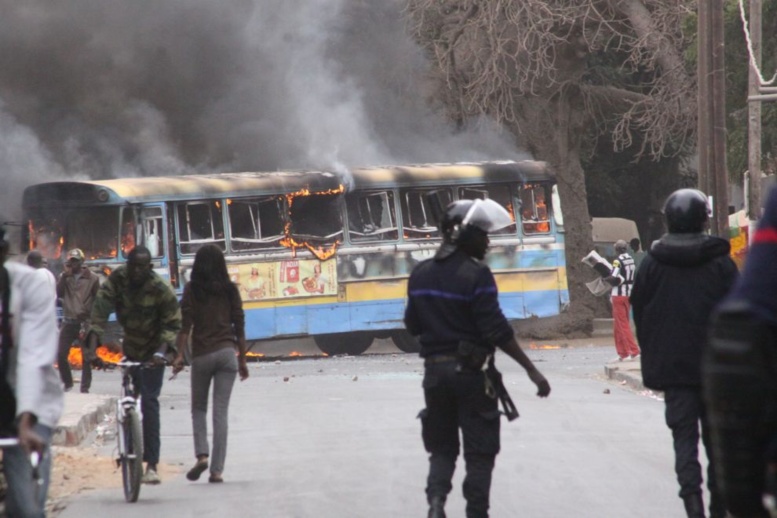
116, 88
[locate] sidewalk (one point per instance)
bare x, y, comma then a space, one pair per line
628, 372
82, 414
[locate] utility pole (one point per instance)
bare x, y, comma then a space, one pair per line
754, 115
713, 175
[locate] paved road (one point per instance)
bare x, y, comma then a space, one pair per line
339, 439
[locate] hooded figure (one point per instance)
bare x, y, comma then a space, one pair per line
683, 277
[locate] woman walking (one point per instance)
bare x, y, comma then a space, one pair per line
213, 312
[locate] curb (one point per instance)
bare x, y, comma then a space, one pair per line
81, 418
617, 374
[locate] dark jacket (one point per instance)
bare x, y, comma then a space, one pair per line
682, 279
216, 322
451, 300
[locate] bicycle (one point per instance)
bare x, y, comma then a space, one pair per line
129, 432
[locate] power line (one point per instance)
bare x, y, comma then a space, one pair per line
750, 52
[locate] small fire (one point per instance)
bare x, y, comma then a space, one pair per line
546, 346
76, 360
250, 354
295, 354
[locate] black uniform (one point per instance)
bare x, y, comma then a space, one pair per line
454, 300
680, 281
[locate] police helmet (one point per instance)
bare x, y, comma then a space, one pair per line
464, 216
686, 211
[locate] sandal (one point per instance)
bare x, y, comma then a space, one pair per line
196, 471
215, 478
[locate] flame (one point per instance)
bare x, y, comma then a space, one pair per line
321, 252
250, 354
546, 346
76, 359
295, 354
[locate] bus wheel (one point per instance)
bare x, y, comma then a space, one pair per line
405, 342
344, 343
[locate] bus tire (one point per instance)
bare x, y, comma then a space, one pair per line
344, 343
405, 342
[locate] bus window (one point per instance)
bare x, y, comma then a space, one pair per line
256, 223
418, 221
317, 216
199, 223
152, 230
498, 193
534, 209
94, 230
372, 217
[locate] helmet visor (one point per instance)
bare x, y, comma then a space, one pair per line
487, 215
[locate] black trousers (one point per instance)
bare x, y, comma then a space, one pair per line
148, 381
685, 411
458, 400
68, 334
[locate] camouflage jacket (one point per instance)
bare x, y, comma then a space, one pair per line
149, 315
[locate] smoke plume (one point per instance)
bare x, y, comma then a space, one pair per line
110, 88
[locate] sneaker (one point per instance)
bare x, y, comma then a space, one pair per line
635, 356
619, 359
196, 471
215, 478
151, 477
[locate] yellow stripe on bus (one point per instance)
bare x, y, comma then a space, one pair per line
365, 291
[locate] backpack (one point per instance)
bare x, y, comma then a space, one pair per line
7, 396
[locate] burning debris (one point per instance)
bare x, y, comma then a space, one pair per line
76, 359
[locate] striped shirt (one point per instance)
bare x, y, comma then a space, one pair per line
623, 267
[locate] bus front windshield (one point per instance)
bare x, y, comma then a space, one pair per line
95, 230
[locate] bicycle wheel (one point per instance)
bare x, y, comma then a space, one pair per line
132, 460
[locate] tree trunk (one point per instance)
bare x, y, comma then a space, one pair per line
560, 124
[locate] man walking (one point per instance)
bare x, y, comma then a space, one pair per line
454, 311
31, 399
622, 279
148, 312
77, 288
683, 277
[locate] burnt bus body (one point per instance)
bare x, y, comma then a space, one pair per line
314, 253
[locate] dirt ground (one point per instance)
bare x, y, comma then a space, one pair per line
80, 469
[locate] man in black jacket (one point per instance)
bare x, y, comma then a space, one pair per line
454, 311
683, 277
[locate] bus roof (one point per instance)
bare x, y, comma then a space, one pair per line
184, 187
506, 171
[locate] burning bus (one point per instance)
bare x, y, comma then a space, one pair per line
314, 253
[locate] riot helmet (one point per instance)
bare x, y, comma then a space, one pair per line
686, 211
466, 224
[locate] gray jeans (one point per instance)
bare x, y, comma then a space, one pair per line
221, 367
26, 497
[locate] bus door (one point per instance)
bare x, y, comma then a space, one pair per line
146, 224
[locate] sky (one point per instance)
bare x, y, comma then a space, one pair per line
95, 89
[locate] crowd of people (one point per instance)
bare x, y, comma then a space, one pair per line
682, 284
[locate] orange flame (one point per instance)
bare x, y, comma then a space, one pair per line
321, 252
295, 354
546, 346
250, 354
76, 360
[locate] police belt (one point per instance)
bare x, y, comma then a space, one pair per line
440, 358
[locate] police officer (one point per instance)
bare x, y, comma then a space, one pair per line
684, 276
740, 379
453, 310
